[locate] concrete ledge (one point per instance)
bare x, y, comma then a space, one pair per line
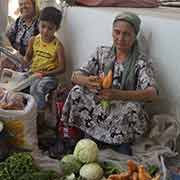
166, 12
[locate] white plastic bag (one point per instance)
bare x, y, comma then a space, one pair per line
46, 162
15, 81
22, 124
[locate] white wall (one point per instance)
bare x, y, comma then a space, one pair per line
3, 17
84, 29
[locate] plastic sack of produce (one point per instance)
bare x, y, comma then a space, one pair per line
21, 124
11, 101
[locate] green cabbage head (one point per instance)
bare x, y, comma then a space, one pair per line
91, 171
70, 164
86, 151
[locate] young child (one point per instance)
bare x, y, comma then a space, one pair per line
45, 53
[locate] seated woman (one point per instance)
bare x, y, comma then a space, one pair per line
122, 120
20, 32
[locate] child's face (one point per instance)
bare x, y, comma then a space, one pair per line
47, 30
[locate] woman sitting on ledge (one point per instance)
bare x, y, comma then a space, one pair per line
20, 32
111, 112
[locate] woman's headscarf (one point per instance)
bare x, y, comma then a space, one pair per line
128, 77
131, 18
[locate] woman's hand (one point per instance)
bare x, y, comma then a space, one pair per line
146, 95
91, 82
106, 94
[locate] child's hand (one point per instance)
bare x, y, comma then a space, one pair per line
39, 74
24, 64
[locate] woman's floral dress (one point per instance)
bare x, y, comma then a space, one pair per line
121, 121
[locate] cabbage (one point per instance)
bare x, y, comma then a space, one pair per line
70, 177
86, 151
91, 171
70, 164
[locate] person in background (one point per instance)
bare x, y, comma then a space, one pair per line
45, 53
25, 26
20, 32
113, 115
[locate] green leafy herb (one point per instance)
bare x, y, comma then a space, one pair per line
110, 168
153, 169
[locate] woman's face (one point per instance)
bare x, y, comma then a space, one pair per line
26, 8
123, 35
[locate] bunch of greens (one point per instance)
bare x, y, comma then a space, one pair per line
153, 169
20, 166
70, 164
111, 168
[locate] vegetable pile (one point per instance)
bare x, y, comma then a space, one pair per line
70, 164
20, 166
135, 172
83, 165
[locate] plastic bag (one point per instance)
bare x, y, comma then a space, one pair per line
167, 124
21, 124
46, 162
15, 81
120, 160
11, 101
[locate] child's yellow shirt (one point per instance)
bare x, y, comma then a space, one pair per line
44, 55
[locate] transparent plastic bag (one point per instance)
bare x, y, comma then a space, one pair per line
11, 101
21, 124
120, 161
15, 81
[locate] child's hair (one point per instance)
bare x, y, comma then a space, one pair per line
51, 14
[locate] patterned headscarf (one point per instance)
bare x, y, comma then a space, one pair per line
131, 18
